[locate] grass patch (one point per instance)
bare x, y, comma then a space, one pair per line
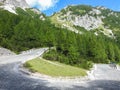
58, 23
118, 64
54, 69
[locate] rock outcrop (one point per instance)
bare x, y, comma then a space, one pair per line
11, 5
87, 17
15, 3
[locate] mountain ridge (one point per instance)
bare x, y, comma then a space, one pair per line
87, 17
11, 5
74, 17
16, 3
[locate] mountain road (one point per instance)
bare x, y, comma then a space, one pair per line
103, 76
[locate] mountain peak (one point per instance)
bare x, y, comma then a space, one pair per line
97, 19
15, 3
11, 5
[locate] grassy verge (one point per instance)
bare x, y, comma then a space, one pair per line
119, 64
54, 69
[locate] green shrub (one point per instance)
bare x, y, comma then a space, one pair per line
85, 64
27, 65
107, 61
49, 57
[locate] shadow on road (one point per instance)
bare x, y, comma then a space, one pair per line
99, 85
12, 80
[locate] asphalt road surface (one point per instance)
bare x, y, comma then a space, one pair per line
104, 77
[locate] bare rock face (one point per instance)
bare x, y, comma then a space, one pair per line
88, 22
89, 18
2, 1
11, 5
15, 3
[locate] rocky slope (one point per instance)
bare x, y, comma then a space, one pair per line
97, 19
16, 3
13, 5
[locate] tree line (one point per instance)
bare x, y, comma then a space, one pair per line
18, 33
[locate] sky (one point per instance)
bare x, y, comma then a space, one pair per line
50, 6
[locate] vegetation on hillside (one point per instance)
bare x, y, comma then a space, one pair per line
77, 10
21, 32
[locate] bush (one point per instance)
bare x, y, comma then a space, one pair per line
51, 55
27, 65
89, 64
107, 61
63, 59
86, 64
